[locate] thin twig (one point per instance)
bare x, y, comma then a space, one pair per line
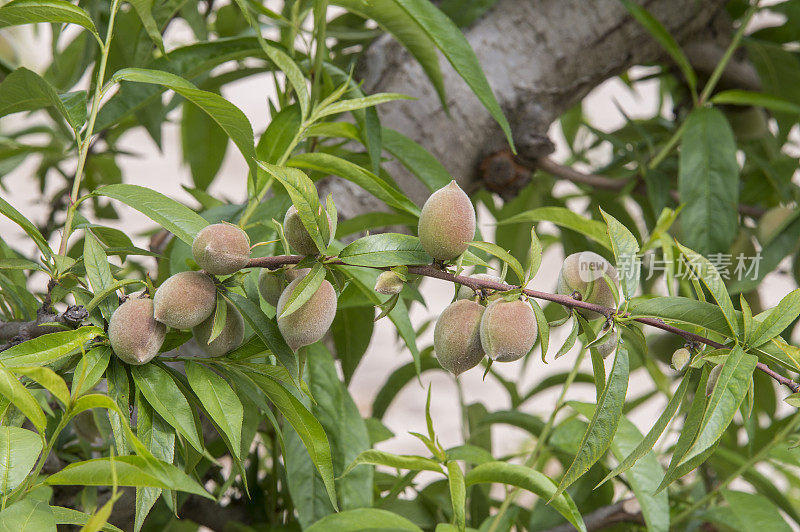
567, 301
615, 185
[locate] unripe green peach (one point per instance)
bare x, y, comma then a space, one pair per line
680, 358
465, 292
134, 333
184, 300
297, 234
293, 272
713, 377
457, 336
584, 273
773, 222
311, 321
229, 338
508, 330
221, 249
609, 345
270, 285
447, 223
388, 283
748, 123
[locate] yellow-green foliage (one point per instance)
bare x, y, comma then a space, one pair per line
134, 333
457, 336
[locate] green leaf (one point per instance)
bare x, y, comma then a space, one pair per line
198, 129
337, 412
304, 197
229, 117
28, 515
175, 217
49, 380
19, 12
683, 310
19, 264
452, 43
15, 216
353, 104
19, 450
281, 60
98, 272
417, 159
754, 511
395, 20
773, 322
712, 280
643, 476
348, 436
563, 217
756, 99
266, 329
531, 480
364, 280
24, 90
667, 41
307, 427
363, 519
219, 401
20, 397
381, 458
728, 394
278, 137
144, 9
625, 249
383, 250
304, 290
330, 164
101, 295
68, 516
504, 256
542, 325
458, 494
603, 425
352, 329
396, 381
166, 398
708, 182
159, 438
220, 317
133, 471
646, 444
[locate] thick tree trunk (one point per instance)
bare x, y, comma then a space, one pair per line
540, 56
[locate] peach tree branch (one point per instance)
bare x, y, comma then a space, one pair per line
566, 301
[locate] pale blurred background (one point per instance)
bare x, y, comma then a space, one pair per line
165, 172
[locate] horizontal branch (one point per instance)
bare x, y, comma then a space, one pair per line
614, 185
566, 301
625, 511
19, 331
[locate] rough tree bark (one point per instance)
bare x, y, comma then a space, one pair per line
541, 57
